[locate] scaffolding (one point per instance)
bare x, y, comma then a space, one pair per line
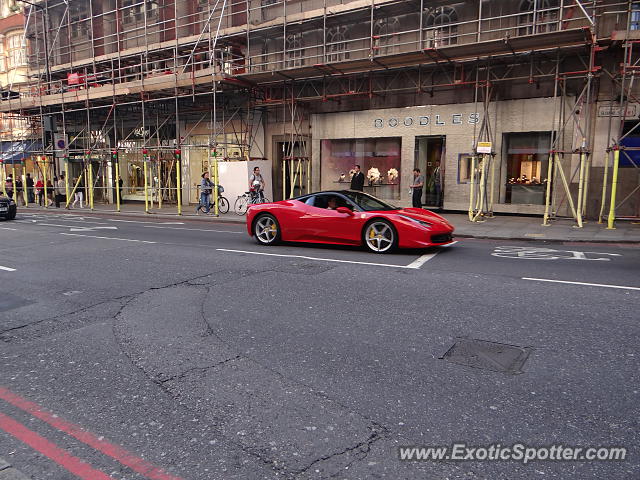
142, 80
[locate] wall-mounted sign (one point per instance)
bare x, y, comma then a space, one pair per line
425, 120
616, 111
483, 147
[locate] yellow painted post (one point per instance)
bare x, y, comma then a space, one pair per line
25, 193
146, 183
547, 201
114, 157
580, 190
605, 179
3, 179
44, 181
482, 195
284, 176
178, 182
491, 185
13, 181
66, 181
159, 183
90, 175
216, 206
308, 176
614, 188
472, 189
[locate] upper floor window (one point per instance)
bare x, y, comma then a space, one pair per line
15, 50
3, 58
133, 10
294, 53
442, 29
538, 16
634, 21
383, 31
337, 43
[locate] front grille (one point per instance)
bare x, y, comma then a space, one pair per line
441, 238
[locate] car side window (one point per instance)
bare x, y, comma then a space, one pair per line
310, 201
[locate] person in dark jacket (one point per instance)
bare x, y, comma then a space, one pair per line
31, 197
357, 181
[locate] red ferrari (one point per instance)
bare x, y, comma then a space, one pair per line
347, 217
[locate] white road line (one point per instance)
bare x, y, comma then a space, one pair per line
315, 258
418, 262
193, 229
7, 269
106, 238
9, 228
138, 221
581, 283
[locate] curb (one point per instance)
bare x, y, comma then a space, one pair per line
543, 240
7, 472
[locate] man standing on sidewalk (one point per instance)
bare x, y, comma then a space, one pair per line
416, 188
31, 198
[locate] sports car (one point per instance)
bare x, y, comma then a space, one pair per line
346, 217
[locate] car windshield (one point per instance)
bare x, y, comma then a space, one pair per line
367, 202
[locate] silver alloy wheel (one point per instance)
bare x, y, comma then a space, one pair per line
266, 229
379, 236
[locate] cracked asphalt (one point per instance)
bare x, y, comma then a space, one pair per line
181, 342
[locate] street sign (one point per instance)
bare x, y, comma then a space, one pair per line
484, 147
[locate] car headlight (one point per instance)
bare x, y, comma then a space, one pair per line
421, 222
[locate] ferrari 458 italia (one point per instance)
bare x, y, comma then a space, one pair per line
347, 217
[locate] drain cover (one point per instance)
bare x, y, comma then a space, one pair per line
498, 357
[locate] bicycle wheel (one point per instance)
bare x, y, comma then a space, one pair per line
223, 205
241, 204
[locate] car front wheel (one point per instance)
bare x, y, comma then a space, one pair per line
266, 230
379, 236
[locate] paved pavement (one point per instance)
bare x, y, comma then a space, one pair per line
177, 348
498, 227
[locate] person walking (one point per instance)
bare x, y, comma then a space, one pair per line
79, 195
50, 193
206, 186
437, 183
61, 191
19, 190
31, 197
39, 190
416, 188
257, 184
8, 186
357, 180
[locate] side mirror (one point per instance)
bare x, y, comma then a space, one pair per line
344, 210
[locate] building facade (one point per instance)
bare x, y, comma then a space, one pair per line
514, 106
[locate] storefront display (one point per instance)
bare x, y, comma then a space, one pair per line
527, 162
379, 159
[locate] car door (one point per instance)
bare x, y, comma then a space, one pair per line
322, 224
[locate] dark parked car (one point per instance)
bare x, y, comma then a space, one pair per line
7, 208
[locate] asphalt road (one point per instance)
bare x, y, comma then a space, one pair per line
182, 350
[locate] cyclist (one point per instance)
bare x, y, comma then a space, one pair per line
256, 185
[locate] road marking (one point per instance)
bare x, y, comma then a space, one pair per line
138, 221
116, 452
9, 228
106, 238
51, 450
7, 269
193, 229
315, 258
543, 253
418, 262
91, 229
581, 283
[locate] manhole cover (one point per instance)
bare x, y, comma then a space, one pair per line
498, 357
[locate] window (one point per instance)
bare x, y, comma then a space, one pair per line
3, 58
133, 10
634, 21
527, 163
379, 160
465, 164
15, 50
539, 16
383, 31
337, 43
441, 27
294, 53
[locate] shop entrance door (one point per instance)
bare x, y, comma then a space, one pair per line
292, 170
429, 158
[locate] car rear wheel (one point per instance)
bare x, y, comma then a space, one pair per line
379, 236
266, 230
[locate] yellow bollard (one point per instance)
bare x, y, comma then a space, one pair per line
159, 183
25, 193
115, 159
473, 187
216, 209
178, 183
90, 181
66, 181
547, 202
146, 193
13, 181
614, 188
44, 182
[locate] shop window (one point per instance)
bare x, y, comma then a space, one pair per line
538, 16
379, 160
527, 163
465, 164
441, 27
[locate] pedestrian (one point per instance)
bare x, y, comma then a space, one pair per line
40, 191
79, 194
437, 183
31, 197
19, 190
50, 192
61, 191
357, 180
256, 185
416, 188
8, 186
205, 191
120, 183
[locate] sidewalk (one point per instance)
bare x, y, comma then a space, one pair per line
507, 227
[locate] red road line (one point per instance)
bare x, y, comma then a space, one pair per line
116, 452
51, 450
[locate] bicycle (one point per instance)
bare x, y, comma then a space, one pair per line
248, 198
223, 203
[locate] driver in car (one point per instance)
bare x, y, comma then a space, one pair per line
332, 203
